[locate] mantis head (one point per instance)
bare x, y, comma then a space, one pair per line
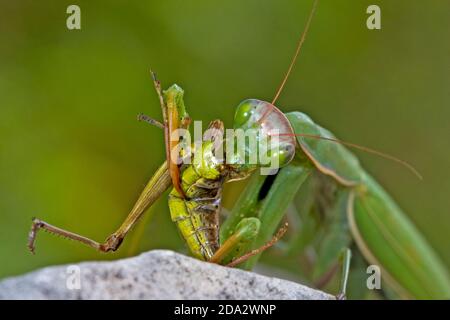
275, 139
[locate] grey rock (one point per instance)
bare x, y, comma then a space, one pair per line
158, 274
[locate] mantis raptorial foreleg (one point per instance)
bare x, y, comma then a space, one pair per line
257, 251
267, 198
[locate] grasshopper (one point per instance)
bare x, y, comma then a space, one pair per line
358, 212
194, 201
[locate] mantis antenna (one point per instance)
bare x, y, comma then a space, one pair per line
349, 144
294, 59
362, 148
297, 51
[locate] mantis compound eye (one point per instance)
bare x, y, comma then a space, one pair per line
283, 154
275, 136
244, 113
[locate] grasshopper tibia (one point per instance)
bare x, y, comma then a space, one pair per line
112, 243
146, 118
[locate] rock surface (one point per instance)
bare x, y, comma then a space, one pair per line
156, 274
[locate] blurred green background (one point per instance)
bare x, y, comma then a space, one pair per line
73, 154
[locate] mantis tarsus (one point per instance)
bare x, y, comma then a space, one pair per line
358, 211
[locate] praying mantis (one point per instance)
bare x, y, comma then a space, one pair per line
312, 162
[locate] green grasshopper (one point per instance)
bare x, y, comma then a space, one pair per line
194, 201
315, 165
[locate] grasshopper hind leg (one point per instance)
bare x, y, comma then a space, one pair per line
156, 186
112, 243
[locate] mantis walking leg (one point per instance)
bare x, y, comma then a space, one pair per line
345, 262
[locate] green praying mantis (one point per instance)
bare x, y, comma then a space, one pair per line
314, 168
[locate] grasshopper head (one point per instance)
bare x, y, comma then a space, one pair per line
173, 96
